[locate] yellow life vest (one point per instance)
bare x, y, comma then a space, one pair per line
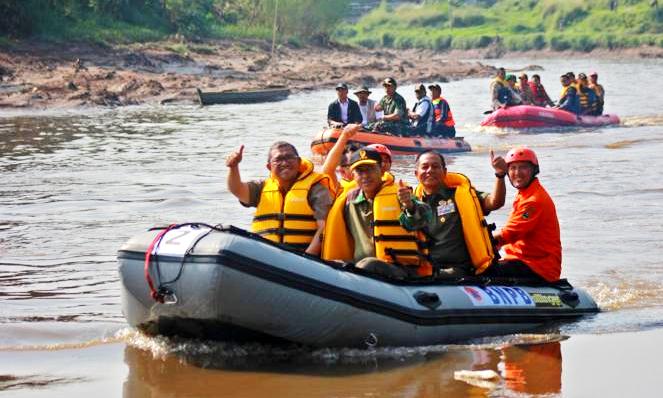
500, 82
393, 243
583, 98
563, 93
346, 185
288, 220
475, 227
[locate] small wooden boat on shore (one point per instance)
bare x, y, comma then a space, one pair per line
242, 97
529, 116
325, 139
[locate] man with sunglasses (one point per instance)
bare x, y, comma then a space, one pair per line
291, 205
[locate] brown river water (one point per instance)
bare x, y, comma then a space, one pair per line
76, 184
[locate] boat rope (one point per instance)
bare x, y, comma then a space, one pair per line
154, 293
188, 252
160, 292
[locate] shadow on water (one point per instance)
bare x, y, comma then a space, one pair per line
201, 369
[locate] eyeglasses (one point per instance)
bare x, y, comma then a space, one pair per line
284, 159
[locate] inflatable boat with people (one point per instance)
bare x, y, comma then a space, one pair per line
529, 116
325, 139
197, 280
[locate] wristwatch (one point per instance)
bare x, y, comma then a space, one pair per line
500, 175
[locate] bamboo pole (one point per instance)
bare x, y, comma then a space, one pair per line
276, 12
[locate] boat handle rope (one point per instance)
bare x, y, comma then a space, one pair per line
161, 294
156, 295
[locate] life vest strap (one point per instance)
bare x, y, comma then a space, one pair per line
283, 216
287, 231
386, 223
298, 246
400, 253
395, 238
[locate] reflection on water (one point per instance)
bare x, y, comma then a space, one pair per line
611, 365
205, 368
10, 383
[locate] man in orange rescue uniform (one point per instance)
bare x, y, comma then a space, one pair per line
530, 238
291, 205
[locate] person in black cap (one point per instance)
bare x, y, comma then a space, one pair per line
422, 113
394, 108
366, 106
363, 225
343, 110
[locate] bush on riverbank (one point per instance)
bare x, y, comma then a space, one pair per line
123, 21
517, 25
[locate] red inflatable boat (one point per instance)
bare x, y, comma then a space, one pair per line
324, 141
529, 116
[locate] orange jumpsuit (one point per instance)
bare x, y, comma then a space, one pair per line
531, 233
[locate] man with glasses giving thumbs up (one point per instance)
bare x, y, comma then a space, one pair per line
291, 205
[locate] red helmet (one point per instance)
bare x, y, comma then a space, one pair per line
383, 150
522, 154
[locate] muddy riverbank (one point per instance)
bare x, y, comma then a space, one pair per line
40, 75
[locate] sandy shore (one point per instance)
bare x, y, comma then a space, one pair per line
39, 75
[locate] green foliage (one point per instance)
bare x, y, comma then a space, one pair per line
442, 42
466, 19
189, 17
129, 20
387, 40
580, 25
468, 42
525, 42
5, 42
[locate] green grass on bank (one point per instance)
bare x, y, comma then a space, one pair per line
518, 25
127, 21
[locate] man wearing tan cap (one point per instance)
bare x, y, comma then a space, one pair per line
366, 106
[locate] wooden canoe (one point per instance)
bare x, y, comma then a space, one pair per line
242, 97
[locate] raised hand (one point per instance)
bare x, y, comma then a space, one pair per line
498, 163
350, 130
405, 195
235, 157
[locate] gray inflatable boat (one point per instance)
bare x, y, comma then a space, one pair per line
225, 283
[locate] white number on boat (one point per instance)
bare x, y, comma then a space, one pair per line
497, 296
177, 241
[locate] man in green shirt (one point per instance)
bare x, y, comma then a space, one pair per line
394, 109
447, 247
